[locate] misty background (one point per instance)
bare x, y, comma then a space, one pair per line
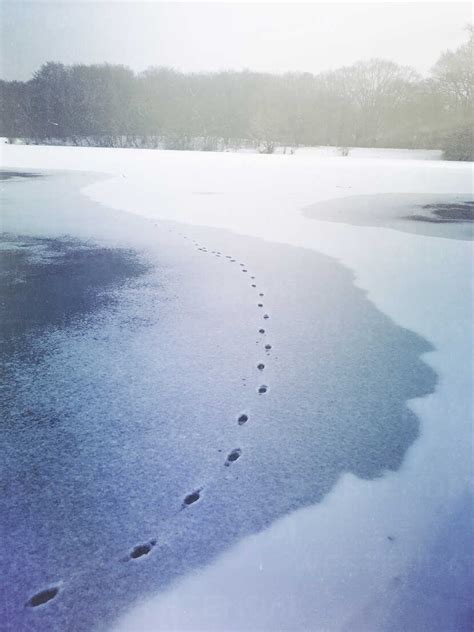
218, 76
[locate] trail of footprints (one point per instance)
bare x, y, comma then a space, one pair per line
144, 549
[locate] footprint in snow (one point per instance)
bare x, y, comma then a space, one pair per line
192, 498
233, 456
43, 597
142, 549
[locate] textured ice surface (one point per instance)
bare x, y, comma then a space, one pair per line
441, 215
47, 283
126, 463
10, 174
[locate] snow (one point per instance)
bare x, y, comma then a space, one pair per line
320, 567
365, 152
335, 152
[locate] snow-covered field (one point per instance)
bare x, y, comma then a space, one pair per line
328, 566
334, 152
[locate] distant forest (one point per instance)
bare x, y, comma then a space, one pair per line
374, 103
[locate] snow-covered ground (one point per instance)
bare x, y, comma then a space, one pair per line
365, 152
358, 152
334, 152
328, 566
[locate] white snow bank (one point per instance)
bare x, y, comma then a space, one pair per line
293, 575
333, 152
365, 152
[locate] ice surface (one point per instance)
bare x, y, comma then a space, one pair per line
366, 556
449, 216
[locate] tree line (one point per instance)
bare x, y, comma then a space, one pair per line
375, 103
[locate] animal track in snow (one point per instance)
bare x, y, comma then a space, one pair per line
260, 366
262, 389
261, 331
43, 597
268, 347
260, 304
266, 316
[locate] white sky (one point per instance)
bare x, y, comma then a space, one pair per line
195, 36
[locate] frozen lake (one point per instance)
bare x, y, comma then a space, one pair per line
135, 397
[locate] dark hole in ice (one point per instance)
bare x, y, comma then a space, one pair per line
43, 597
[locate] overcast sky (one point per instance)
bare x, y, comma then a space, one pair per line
196, 36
